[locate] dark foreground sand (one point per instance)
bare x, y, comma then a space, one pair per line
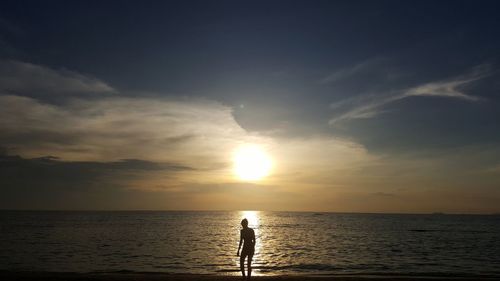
46, 276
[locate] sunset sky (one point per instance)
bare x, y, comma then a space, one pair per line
358, 106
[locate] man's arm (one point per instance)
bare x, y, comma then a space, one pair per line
239, 246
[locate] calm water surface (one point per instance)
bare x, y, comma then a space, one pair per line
287, 242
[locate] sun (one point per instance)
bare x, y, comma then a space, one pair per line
251, 163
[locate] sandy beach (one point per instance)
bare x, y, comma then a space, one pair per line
46, 276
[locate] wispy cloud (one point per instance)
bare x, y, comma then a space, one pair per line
443, 89
33, 80
369, 106
352, 70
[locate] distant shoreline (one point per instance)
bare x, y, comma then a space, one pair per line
159, 276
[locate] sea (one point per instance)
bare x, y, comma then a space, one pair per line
291, 243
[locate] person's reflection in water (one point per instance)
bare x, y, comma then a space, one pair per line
247, 237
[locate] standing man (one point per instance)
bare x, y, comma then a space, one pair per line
247, 237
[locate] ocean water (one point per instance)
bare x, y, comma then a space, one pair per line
287, 243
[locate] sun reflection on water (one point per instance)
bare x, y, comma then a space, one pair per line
252, 217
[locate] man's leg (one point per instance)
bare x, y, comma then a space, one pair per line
250, 265
242, 264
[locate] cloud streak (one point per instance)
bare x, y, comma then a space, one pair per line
366, 66
21, 78
370, 106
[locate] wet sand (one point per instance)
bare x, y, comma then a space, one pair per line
48, 276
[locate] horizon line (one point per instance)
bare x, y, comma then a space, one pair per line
277, 211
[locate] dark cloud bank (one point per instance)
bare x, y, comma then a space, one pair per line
50, 183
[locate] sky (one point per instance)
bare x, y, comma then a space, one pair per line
362, 106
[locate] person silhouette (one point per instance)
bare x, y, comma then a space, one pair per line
247, 237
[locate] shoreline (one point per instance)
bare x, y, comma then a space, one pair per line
157, 276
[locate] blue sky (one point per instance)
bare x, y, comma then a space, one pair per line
412, 86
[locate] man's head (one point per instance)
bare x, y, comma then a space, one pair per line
244, 223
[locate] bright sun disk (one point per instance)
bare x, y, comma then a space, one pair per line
251, 163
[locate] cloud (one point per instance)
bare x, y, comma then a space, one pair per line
26, 79
112, 151
52, 168
97, 133
48, 182
365, 66
359, 108
179, 157
443, 89
91, 137
114, 128
196, 132
369, 106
